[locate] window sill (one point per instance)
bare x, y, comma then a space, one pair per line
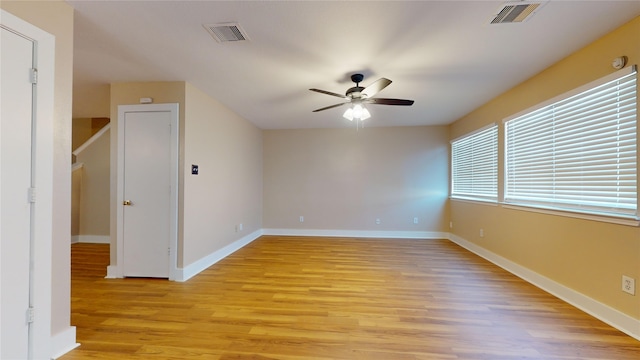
556, 212
576, 215
475, 201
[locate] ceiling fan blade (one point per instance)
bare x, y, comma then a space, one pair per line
376, 87
383, 101
328, 93
329, 107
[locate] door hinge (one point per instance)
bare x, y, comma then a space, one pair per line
31, 194
31, 315
34, 76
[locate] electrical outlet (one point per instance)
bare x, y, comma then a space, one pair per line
450, 224
377, 221
240, 227
481, 233
301, 218
415, 220
629, 285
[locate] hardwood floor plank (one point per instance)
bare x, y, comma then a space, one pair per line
298, 298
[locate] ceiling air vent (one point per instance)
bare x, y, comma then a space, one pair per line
226, 32
516, 12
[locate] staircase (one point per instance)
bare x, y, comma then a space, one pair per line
90, 179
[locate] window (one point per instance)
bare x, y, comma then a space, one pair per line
577, 152
474, 165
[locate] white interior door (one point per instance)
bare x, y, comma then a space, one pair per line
15, 181
148, 206
26, 161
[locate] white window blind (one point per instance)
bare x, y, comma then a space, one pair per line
579, 152
474, 165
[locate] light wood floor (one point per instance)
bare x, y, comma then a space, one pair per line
332, 298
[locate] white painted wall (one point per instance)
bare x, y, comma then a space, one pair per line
228, 149
228, 189
343, 179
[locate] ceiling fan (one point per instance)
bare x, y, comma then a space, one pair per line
359, 95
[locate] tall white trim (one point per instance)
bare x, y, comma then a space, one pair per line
91, 239
607, 314
76, 166
359, 233
195, 268
112, 272
63, 342
613, 317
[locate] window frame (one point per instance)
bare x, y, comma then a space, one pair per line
492, 131
587, 211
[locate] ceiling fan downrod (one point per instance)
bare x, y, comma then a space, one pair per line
357, 78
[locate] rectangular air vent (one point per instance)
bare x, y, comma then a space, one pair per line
226, 32
515, 12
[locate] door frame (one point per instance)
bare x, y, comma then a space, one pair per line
43, 110
173, 108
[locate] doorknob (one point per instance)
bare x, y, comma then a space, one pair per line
126, 202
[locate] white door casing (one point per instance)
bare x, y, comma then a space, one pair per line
147, 177
26, 147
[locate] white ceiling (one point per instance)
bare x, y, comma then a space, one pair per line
443, 54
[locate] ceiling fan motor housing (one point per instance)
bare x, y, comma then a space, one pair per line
354, 92
358, 95
357, 78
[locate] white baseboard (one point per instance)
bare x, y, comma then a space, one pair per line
113, 272
91, 239
76, 166
607, 314
63, 342
359, 233
191, 270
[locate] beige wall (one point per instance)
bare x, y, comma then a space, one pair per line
228, 189
81, 132
76, 181
96, 101
227, 149
130, 94
94, 189
587, 256
56, 17
343, 179
84, 128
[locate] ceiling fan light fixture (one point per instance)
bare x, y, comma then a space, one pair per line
357, 112
365, 114
357, 96
348, 114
